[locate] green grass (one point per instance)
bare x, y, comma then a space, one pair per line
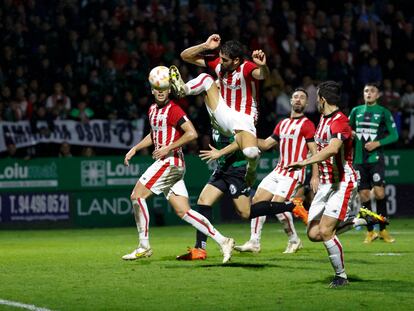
82, 270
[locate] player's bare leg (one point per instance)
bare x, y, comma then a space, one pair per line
248, 144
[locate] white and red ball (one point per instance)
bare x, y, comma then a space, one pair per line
159, 78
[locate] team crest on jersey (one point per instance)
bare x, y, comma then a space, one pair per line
232, 189
376, 115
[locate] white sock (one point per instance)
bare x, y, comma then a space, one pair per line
199, 84
286, 220
142, 220
336, 255
202, 224
256, 226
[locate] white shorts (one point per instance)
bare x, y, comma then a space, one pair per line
227, 121
334, 200
163, 177
280, 185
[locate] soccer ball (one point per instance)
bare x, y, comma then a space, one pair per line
159, 78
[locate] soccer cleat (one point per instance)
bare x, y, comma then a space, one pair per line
193, 254
140, 252
338, 282
385, 236
227, 249
370, 237
299, 210
371, 217
293, 247
177, 84
249, 246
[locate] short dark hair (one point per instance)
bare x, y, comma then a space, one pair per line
232, 49
301, 89
374, 84
331, 91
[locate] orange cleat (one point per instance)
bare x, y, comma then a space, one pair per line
299, 210
193, 254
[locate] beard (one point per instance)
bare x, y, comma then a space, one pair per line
298, 109
320, 107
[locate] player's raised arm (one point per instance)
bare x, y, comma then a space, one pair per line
262, 71
144, 143
193, 55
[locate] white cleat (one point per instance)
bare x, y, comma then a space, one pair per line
140, 252
227, 249
293, 247
249, 246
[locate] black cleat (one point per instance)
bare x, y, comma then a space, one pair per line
338, 282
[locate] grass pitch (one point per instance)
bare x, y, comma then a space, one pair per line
82, 270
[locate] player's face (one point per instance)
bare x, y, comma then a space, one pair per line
298, 101
161, 96
228, 64
371, 94
321, 104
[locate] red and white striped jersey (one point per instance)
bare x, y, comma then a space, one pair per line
337, 168
238, 88
165, 129
293, 134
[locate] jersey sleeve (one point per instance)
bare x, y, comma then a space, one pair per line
248, 68
276, 132
352, 118
177, 116
212, 61
341, 129
392, 136
308, 131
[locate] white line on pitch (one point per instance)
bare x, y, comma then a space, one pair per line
21, 305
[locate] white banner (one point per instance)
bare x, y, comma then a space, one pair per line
119, 134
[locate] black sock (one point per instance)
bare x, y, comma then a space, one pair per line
201, 238
367, 205
267, 208
382, 210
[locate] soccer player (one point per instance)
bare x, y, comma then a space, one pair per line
170, 130
295, 136
374, 128
337, 178
238, 81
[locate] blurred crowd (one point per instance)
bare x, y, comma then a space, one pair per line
90, 58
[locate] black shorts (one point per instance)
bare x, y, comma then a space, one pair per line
370, 175
231, 181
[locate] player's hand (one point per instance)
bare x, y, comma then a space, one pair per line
213, 42
160, 153
259, 57
314, 184
295, 166
210, 155
372, 145
129, 155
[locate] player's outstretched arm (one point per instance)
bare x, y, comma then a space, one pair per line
192, 54
190, 134
214, 154
329, 151
262, 71
314, 182
266, 144
144, 143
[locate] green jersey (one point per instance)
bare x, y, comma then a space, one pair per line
371, 123
234, 159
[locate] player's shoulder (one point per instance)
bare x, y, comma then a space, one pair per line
308, 123
357, 108
340, 117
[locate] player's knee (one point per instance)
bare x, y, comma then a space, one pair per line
364, 195
326, 233
379, 194
251, 152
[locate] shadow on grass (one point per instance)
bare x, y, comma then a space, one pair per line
221, 265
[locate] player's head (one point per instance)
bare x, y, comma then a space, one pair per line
299, 100
159, 80
161, 96
329, 93
231, 55
371, 92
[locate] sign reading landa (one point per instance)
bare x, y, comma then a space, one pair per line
100, 173
28, 175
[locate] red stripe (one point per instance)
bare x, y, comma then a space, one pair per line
143, 210
228, 89
347, 196
338, 244
292, 187
201, 222
157, 175
288, 221
249, 98
238, 92
256, 225
202, 81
